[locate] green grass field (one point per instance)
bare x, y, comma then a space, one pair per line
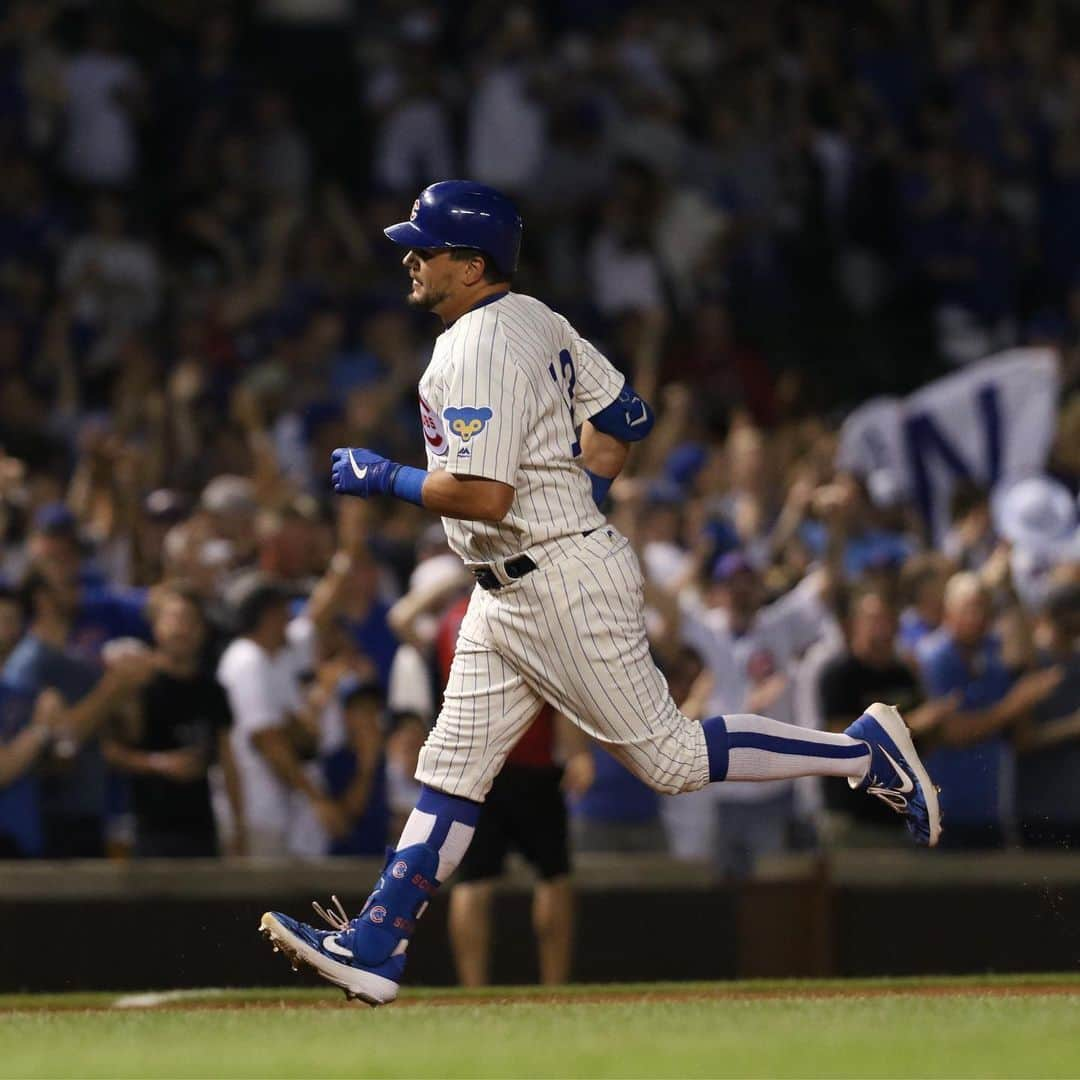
958, 1028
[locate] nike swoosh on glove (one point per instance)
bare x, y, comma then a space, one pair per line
356, 471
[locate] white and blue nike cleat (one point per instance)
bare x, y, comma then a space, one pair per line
365, 956
323, 951
896, 775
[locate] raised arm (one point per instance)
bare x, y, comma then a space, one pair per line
17, 756
404, 618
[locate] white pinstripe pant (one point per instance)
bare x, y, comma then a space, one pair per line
571, 633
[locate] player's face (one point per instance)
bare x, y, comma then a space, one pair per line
434, 277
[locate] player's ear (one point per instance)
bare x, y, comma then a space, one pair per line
475, 268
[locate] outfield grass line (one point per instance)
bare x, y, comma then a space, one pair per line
315, 997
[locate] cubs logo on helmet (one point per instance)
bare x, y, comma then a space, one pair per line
467, 423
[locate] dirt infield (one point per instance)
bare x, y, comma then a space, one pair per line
582, 996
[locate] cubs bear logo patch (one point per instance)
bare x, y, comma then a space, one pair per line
467, 423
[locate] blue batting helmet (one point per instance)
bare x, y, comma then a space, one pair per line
461, 214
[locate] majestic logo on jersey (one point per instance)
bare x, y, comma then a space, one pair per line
434, 432
467, 423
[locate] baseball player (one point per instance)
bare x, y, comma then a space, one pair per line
526, 426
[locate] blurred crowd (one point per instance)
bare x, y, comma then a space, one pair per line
764, 214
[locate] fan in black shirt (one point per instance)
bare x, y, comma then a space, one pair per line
178, 727
871, 670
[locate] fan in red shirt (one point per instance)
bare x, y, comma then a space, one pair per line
524, 812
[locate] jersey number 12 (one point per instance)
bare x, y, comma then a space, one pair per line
566, 363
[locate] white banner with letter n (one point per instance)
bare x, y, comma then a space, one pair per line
991, 423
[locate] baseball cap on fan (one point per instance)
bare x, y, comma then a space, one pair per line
437, 572
684, 463
229, 496
55, 519
1038, 515
165, 505
730, 565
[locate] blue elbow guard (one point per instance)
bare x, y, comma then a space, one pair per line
628, 417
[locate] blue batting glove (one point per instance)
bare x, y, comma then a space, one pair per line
356, 471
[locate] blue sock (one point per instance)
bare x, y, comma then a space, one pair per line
433, 842
716, 742
742, 746
443, 822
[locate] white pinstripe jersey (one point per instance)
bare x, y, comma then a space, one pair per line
508, 385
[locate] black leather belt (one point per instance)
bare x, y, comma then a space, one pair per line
515, 568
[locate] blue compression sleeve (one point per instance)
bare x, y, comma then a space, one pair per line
600, 486
408, 483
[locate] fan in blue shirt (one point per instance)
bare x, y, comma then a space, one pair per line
975, 765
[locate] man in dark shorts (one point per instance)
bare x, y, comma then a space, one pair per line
524, 812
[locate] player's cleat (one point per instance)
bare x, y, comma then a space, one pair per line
320, 950
365, 956
896, 775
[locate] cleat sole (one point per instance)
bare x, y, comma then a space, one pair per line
371, 989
